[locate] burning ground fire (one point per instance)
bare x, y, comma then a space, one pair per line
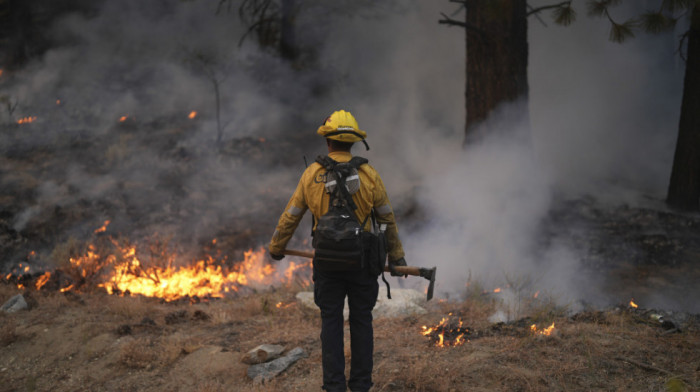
545, 332
451, 331
448, 332
120, 270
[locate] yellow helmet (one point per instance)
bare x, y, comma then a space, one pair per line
342, 126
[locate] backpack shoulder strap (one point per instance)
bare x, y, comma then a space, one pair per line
356, 162
327, 162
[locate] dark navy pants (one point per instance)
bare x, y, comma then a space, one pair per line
330, 290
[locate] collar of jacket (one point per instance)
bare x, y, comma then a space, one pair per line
340, 156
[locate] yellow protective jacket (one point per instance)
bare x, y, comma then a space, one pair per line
310, 194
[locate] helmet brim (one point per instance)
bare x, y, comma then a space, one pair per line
356, 135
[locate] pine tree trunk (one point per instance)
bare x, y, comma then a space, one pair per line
497, 56
288, 48
684, 188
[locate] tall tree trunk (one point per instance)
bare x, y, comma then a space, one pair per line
684, 188
288, 45
497, 56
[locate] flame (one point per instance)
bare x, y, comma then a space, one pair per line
537, 294
192, 115
120, 270
123, 118
497, 290
632, 304
204, 278
43, 279
26, 120
103, 228
546, 332
446, 333
58, 102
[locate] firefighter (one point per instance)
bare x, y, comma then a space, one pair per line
331, 287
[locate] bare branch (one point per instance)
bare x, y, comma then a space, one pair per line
539, 18
452, 22
548, 7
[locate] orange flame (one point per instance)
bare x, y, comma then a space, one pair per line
192, 115
497, 290
537, 294
446, 333
26, 120
203, 279
634, 305
123, 118
103, 228
545, 332
43, 279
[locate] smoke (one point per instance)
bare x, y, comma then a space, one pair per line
603, 122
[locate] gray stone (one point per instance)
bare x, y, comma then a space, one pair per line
15, 304
403, 302
263, 372
262, 353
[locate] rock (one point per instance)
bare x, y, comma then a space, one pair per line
15, 304
403, 302
262, 353
266, 371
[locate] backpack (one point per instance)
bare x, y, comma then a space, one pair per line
339, 240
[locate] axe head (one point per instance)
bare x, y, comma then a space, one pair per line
429, 273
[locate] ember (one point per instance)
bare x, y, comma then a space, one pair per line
103, 228
192, 115
448, 332
123, 118
632, 304
26, 120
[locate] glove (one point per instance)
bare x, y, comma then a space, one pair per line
397, 263
276, 257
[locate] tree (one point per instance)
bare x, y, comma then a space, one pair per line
684, 185
497, 55
497, 58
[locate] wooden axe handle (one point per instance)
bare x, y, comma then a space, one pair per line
294, 252
403, 270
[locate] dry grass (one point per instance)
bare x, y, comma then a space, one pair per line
77, 344
8, 330
139, 353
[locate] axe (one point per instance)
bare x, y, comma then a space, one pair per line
427, 273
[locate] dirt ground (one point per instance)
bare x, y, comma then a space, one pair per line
97, 342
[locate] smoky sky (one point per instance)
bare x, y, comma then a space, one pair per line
603, 122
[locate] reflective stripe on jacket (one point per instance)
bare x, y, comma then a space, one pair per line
310, 194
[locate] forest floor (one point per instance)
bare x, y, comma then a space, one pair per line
98, 342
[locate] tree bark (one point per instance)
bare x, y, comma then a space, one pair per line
288, 47
497, 56
684, 187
